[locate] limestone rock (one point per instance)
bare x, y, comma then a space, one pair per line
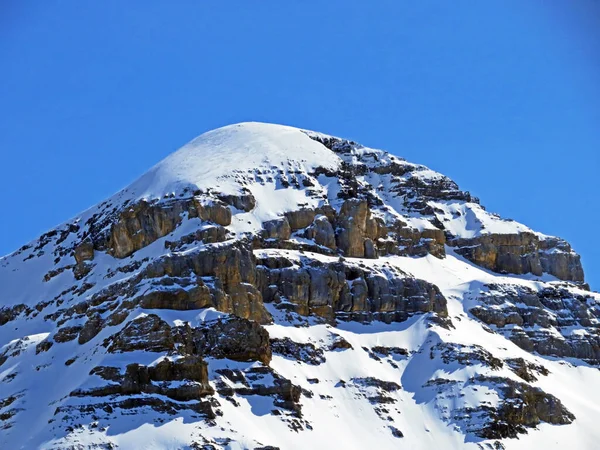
233, 338
277, 229
524, 407
84, 251
179, 298
355, 226
321, 232
91, 328
149, 333
521, 253
301, 218
244, 201
342, 290
143, 223
540, 318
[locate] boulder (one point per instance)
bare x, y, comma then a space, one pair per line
277, 229
301, 218
321, 232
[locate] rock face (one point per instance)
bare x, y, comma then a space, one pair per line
524, 407
273, 279
235, 338
142, 223
358, 229
343, 290
542, 320
522, 253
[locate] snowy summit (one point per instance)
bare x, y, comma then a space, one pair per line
270, 287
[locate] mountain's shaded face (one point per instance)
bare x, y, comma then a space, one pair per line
268, 287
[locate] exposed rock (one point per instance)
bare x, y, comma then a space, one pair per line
521, 253
465, 355
296, 351
339, 343
558, 258
387, 351
355, 226
277, 229
525, 369
181, 299
207, 235
190, 377
233, 338
9, 313
66, 334
84, 251
244, 202
301, 218
539, 318
43, 346
321, 232
234, 270
523, 407
410, 241
143, 223
262, 381
149, 333
340, 290
91, 328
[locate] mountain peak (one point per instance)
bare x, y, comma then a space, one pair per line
207, 160
271, 287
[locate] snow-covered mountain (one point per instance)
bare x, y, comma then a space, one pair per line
271, 287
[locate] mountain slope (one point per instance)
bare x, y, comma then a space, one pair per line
270, 286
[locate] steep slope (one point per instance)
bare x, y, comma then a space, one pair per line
270, 286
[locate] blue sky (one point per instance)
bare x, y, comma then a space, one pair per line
501, 95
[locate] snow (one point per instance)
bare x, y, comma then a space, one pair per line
469, 220
245, 147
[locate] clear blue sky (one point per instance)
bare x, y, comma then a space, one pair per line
501, 95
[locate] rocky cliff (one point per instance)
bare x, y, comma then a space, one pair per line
269, 287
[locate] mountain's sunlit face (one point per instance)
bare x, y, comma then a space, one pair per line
266, 277
406, 276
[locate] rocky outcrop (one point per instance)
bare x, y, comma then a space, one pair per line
207, 235
541, 320
232, 272
231, 338
10, 313
277, 229
519, 405
84, 251
346, 291
142, 223
523, 407
558, 258
405, 240
263, 382
404, 178
521, 253
296, 351
184, 379
148, 333
358, 230
169, 294
91, 328
301, 218
321, 232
